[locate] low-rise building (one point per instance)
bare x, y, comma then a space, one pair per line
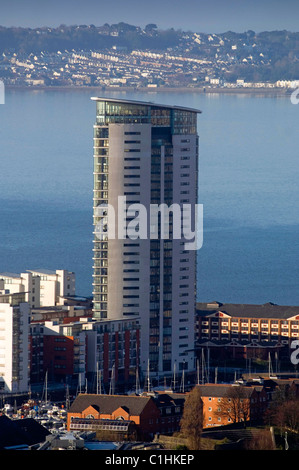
230, 403
171, 407
141, 410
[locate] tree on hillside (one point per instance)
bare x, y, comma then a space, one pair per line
287, 416
192, 420
275, 413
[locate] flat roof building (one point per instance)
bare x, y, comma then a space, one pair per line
43, 287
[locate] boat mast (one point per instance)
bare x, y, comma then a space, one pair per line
100, 379
270, 366
46, 387
67, 398
174, 378
148, 377
112, 381
137, 383
97, 378
183, 381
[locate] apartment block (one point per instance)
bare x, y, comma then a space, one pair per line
102, 353
14, 343
58, 349
42, 287
114, 351
241, 330
54, 285
147, 155
227, 404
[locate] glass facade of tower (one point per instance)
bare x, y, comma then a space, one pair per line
164, 123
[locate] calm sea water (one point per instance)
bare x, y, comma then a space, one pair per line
249, 169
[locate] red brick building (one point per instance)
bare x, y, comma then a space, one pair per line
58, 350
69, 349
152, 413
140, 410
241, 331
227, 404
59, 355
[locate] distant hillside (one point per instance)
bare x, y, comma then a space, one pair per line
279, 44
270, 55
27, 40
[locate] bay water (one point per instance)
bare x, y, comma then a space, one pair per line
248, 185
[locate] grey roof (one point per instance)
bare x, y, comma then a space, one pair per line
144, 103
21, 432
14, 275
267, 310
107, 404
222, 390
41, 271
166, 399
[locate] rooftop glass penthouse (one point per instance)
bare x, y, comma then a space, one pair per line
179, 120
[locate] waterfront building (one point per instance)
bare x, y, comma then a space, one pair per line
58, 349
151, 413
88, 411
42, 287
99, 355
14, 343
146, 154
247, 330
14, 283
113, 352
54, 285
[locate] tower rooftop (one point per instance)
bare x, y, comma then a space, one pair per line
145, 103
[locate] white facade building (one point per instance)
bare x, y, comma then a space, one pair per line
42, 287
14, 343
146, 154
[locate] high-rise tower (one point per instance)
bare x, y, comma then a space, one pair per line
146, 156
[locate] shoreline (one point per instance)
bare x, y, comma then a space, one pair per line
205, 91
